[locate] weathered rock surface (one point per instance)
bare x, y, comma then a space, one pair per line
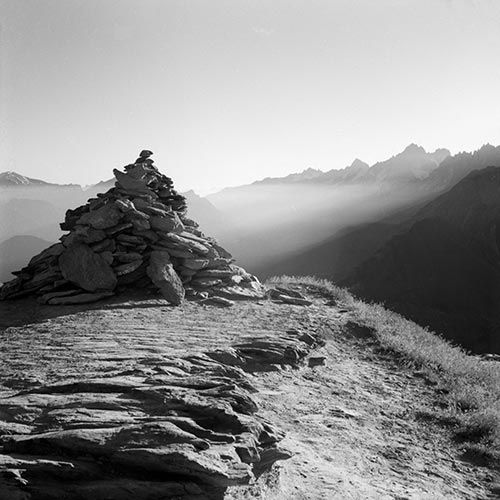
111, 240
101, 218
288, 296
162, 274
87, 269
154, 417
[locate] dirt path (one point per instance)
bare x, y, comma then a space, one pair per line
354, 430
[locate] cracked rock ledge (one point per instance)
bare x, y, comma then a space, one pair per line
186, 427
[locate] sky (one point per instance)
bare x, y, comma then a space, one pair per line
229, 91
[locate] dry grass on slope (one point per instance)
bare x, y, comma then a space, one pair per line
468, 387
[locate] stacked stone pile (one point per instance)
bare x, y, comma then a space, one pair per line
136, 235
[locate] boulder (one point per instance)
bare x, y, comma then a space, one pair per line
87, 269
162, 274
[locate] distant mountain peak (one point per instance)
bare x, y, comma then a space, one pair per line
310, 170
306, 175
357, 163
414, 148
14, 179
10, 178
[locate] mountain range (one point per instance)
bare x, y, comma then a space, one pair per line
444, 270
418, 231
412, 164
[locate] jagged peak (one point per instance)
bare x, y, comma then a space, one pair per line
357, 163
413, 149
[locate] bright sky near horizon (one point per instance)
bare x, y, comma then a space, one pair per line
229, 91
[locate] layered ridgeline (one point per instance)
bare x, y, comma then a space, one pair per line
135, 235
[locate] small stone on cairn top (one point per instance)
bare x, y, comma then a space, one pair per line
135, 236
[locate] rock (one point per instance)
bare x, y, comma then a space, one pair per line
107, 245
10, 288
43, 278
217, 301
108, 257
83, 267
289, 292
127, 268
215, 273
44, 299
183, 243
168, 223
294, 298
241, 293
195, 264
88, 234
129, 183
146, 235
52, 251
162, 274
222, 252
128, 238
118, 228
206, 282
359, 330
128, 208
176, 252
103, 218
127, 257
316, 361
141, 224
135, 276
137, 171
82, 298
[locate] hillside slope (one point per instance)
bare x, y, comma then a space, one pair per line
132, 399
445, 270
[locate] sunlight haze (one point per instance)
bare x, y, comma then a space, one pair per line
226, 92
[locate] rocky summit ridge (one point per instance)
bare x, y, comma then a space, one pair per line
136, 235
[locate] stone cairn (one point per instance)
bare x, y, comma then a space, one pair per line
136, 235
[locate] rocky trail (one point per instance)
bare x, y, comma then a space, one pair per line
136, 399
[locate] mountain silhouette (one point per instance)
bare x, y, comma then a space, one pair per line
444, 271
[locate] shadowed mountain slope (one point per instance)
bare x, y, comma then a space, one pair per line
445, 270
